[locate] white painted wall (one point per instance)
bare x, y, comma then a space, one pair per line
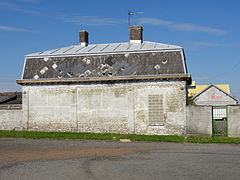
234, 121
10, 119
199, 120
113, 108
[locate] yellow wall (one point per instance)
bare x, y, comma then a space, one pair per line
195, 89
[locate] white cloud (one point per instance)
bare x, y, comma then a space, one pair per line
29, 1
8, 28
93, 20
15, 7
76, 19
181, 26
198, 45
206, 44
153, 21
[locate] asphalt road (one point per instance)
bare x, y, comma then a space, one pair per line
24, 159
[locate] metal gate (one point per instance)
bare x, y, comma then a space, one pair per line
219, 120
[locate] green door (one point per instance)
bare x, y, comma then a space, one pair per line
219, 121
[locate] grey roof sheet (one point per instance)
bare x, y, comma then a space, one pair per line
93, 49
5, 98
15, 101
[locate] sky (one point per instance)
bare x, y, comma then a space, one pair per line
208, 30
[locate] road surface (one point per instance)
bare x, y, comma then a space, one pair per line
48, 159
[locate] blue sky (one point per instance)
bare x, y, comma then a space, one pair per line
207, 29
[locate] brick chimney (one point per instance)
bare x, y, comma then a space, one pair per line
83, 38
136, 34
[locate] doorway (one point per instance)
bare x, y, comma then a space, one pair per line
219, 121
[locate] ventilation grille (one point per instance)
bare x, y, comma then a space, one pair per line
155, 109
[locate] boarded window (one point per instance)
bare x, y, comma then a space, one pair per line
155, 109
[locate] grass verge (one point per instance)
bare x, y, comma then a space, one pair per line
95, 136
226, 140
117, 137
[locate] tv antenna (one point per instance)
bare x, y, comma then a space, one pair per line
130, 13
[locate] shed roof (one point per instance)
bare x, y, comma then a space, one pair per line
9, 99
5, 98
110, 48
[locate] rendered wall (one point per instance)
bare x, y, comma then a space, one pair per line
199, 120
113, 108
49, 108
10, 119
234, 121
106, 108
174, 108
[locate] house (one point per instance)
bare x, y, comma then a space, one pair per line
133, 87
215, 96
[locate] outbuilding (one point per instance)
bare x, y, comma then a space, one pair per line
133, 87
214, 96
215, 106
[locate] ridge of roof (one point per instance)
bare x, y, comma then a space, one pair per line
108, 48
212, 85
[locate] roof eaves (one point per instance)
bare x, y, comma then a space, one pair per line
95, 79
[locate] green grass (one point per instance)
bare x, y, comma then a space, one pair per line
95, 136
227, 140
116, 137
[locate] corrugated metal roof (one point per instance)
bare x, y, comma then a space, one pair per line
112, 48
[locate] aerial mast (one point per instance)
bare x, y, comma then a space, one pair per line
130, 13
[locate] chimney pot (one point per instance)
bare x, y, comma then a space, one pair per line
136, 34
83, 38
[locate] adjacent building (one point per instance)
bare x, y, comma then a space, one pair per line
213, 95
217, 99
